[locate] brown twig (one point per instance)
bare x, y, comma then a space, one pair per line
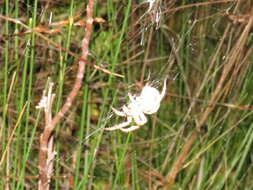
178, 165
46, 153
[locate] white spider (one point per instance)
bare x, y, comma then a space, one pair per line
148, 102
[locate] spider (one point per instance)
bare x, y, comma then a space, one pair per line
148, 102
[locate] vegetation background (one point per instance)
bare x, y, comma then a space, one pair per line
201, 137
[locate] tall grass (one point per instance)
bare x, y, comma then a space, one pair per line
201, 137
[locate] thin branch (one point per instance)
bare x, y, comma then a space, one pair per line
46, 153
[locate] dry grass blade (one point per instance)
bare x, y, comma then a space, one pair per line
235, 58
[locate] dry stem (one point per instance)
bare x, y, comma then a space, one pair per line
46, 153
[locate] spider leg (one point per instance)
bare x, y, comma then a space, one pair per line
140, 119
129, 129
164, 90
117, 112
131, 97
126, 110
120, 126
143, 118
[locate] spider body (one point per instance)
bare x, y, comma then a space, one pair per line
148, 102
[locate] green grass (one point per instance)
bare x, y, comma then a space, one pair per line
206, 56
